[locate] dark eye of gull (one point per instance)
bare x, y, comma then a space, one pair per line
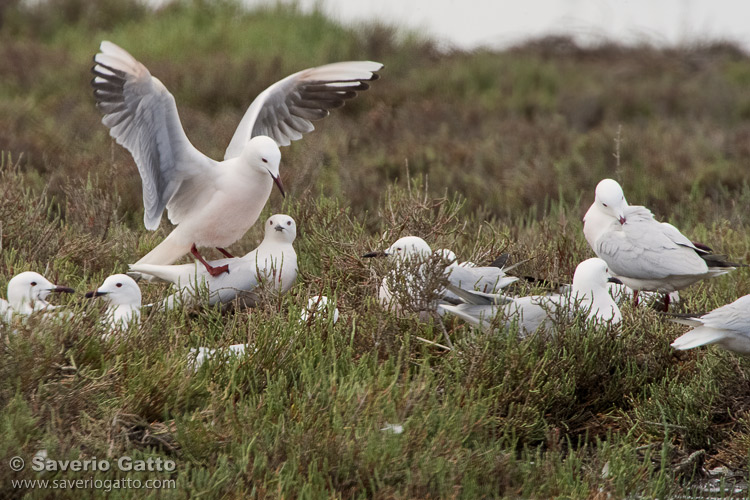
119, 285
33, 283
289, 223
264, 160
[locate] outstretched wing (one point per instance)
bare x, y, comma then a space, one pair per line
286, 109
142, 117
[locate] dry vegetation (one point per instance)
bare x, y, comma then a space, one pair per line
483, 152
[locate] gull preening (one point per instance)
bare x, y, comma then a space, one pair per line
412, 274
273, 262
123, 298
589, 293
727, 326
212, 203
642, 252
27, 293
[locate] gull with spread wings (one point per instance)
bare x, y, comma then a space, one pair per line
212, 203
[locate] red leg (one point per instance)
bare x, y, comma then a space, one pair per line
213, 271
226, 254
635, 298
666, 302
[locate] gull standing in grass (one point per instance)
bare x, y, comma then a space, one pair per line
727, 326
642, 252
273, 262
411, 256
212, 203
28, 293
123, 299
589, 293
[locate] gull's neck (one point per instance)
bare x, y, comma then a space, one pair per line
597, 301
595, 223
276, 238
123, 314
27, 305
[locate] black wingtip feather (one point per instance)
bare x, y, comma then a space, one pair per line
116, 73
325, 101
703, 247
106, 87
714, 260
500, 261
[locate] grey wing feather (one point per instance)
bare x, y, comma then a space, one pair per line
641, 214
528, 312
285, 110
645, 250
638, 213
483, 279
478, 298
225, 287
479, 315
734, 316
142, 116
531, 312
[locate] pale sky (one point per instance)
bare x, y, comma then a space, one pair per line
499, 23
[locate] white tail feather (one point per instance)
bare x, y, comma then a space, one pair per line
698, 337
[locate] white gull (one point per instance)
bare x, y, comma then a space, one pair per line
273, 262
212, 203
589, 293
27, 293
123, 298
417, 267
642, 252
727, 326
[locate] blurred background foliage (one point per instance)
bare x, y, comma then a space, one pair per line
513, 131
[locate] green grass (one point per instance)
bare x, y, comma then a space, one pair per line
482, 152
